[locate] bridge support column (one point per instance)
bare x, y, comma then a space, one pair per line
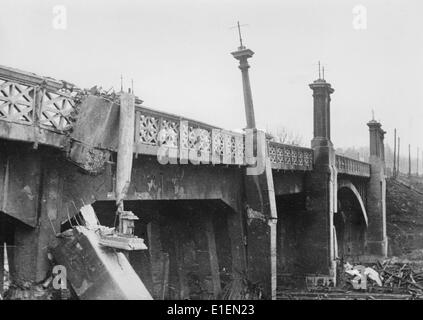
31, 245
261, 215
377, 241
31, 193
321, 190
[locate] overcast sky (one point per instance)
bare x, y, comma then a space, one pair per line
178, 53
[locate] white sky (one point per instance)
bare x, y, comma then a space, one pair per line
178, 53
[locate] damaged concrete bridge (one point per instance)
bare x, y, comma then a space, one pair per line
213, 204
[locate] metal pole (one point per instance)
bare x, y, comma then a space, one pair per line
398, 157
394, 170
409, 160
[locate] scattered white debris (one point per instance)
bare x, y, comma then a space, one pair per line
360, 274
373, 275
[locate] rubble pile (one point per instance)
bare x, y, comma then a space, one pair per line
240, 288
28, 290
392, 276
78, 95
391, 279
111, 94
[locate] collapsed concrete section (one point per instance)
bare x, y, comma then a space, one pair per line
97, 272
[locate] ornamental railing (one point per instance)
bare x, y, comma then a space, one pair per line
45, 103
352, 167
288, 157
31, 100
155, 131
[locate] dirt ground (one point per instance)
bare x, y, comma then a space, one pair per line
404, 215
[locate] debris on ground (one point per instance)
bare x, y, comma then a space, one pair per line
341, 295
359, 276
389, 276
394, 278
400, 276
30, 290
240, 288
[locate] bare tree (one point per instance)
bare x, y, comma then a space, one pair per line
358, 153
285, 136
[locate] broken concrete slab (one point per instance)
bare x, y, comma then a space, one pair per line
96, 272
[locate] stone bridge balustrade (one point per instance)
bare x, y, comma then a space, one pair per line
34, 101
289, 157
31, 100
352, 167
155, 129
45, 103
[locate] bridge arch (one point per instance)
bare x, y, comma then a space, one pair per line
350, 220
349, 185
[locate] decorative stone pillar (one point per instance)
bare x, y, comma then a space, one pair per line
377, 241
321, 190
